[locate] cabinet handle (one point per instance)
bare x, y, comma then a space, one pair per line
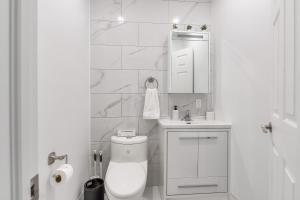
195, 138
189, 138
208, 137
195, 186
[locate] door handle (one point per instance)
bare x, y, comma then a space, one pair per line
267, 128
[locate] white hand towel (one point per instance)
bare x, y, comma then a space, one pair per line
151, 107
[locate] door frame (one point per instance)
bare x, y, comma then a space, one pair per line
23, 96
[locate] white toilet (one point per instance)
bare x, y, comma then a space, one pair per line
127, 171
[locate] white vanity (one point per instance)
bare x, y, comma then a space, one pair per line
194, 158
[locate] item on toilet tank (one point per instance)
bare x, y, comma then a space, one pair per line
175, 113
61, 175
127, 133
210, 115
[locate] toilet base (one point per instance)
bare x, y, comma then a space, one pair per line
136, 197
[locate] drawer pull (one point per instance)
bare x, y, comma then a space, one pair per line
195, 138
189, 138
195, 186
208, 138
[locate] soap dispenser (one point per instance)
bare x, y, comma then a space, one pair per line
175, 114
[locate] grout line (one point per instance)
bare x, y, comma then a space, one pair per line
147, 22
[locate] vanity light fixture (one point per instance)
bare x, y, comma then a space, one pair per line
121, 19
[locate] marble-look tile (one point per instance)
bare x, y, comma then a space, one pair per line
154, 34
106, 57
132, 105
103, 128
114, 81
189, 12
114, 33
106, 9
154, 11
106, 105
153, 151
161, 77
144, 57
164, 105
153, 174
151, 193
148, 127
188, 102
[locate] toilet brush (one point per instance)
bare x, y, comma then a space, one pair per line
95, 164
100, 163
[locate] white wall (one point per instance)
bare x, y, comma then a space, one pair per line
4, 101
243, 60
63, 91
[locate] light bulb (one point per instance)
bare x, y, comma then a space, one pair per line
121, 19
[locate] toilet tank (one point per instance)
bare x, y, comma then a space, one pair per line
129, 149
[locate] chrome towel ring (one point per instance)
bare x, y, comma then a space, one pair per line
151, 82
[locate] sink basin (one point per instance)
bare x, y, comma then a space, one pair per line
168, 123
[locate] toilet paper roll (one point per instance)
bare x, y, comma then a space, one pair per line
61, 175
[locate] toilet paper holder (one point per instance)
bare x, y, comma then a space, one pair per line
52, 157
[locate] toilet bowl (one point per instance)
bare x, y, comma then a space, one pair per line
127, 171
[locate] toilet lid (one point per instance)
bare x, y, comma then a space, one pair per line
125, 180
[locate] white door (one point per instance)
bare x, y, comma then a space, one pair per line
285, 119
182, 80
5, 192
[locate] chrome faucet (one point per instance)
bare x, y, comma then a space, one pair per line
187, 117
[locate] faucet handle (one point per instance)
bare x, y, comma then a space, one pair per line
187, 116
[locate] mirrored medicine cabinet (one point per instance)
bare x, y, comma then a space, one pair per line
189, 62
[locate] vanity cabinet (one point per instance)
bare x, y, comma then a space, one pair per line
194, 161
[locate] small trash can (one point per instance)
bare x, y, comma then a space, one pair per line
94, 189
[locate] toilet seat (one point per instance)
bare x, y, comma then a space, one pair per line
125, 180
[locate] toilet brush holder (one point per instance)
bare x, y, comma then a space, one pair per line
94, 189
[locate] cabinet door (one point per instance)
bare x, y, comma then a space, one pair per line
182, 156
212, 154
201, 67
182, 71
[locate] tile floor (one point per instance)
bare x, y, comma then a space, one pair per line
152, 193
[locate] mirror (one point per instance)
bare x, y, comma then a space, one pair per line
189, 62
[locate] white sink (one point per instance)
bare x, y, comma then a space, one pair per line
168, 123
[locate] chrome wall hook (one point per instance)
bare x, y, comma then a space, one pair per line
52, 157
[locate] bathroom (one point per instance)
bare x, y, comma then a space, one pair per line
74, 73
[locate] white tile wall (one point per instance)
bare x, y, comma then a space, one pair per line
114, 33
106, 57
123, 55
153, 34
114, 81
144, 57
106, 9
106, 105
190, 12
142, 10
